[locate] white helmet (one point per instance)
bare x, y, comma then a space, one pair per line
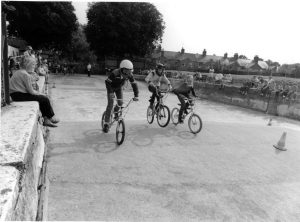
126, 64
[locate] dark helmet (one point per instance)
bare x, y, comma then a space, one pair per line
160, 66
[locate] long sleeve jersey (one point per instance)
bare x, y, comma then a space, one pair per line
185, 90
21, 81
116, 80
160, 81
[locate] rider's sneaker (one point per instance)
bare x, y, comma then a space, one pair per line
105, 128
151, 105
116, 116
180, 121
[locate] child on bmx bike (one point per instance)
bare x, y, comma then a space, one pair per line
114, 83
182, 92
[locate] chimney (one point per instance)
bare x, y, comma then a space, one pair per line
182, 50
204, 53
236, 56
225, 55
256, 59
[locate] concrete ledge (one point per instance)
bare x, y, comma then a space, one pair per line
21, 156
9, 191
19, 121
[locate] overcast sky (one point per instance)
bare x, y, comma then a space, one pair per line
269, 29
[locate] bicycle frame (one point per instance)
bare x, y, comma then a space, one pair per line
121, 113
190, 110
161, 98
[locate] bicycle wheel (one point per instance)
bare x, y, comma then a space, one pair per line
195, 123
163, 116
175, 115
120, 132
150, 116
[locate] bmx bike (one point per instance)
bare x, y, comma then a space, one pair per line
118, 117
194, 121
161, 111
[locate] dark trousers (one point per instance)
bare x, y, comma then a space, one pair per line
152, 89
89, 73
110, 103
184, 105
44, 102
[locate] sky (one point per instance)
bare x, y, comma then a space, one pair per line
269, 29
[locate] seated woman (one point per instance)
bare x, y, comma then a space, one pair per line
21, 89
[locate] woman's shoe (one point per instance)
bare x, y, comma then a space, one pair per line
47, 122
54, 120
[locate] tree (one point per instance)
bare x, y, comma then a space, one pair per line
119, 28
242, 57
79, 49
43, 24
271, 63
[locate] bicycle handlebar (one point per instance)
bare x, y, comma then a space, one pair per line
126, 104
159, 91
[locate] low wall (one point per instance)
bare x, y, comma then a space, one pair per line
230, 95
21, 157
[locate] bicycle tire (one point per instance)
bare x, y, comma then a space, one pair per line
150, 116
165, 114
120, 131
194, 117
175, 115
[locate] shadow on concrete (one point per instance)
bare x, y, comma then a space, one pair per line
93, 140
145, 135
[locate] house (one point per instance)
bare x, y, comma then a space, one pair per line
192, 62
15, 46
207, 61
167, 58
238, 64
257, 65
186, 61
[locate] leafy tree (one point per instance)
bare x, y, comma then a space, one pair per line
119, 28
271, 63
242, 57
79, 50
42, 24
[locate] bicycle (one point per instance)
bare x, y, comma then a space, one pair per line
161, 111
119, 118
194, 122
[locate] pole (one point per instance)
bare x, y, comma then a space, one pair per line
5, 60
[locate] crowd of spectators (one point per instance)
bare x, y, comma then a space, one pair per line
262, 86
265, 87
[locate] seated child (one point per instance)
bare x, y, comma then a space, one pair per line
182, 92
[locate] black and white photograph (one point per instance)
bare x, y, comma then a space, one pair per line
150, 110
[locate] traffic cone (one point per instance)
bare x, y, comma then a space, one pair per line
281, 143
53, 85
270, 122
